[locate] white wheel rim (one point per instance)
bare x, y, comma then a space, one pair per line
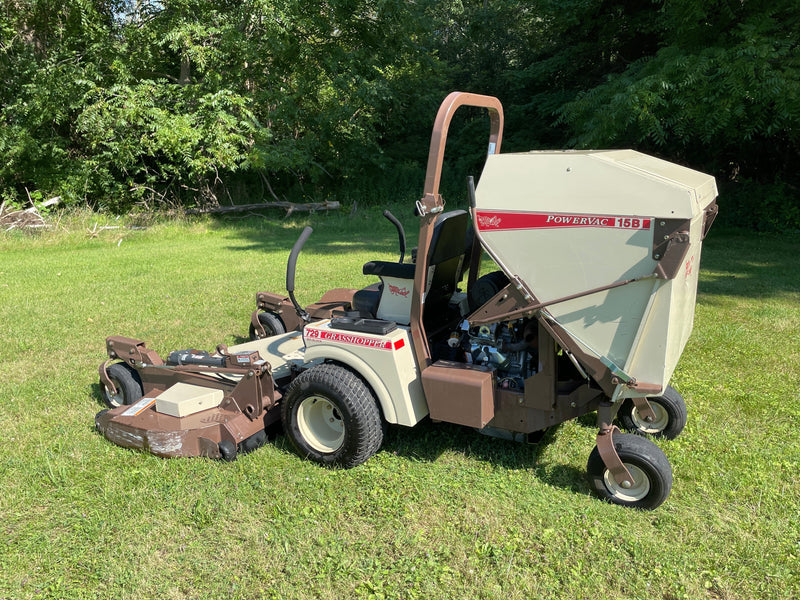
115, 399
639, 489
657, 425
320, 424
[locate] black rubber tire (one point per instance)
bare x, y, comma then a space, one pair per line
227, 450
670, 409
254, 442
271, 323
128, 384
331, 417
485, 287
648, 465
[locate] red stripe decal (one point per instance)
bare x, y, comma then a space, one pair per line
495, 220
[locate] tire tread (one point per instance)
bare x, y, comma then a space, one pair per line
643, 453
364, 432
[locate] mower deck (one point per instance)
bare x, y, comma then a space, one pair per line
197, 408
142, 427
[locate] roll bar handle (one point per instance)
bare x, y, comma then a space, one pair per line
431, 200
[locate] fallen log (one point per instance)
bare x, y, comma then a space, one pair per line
289, 207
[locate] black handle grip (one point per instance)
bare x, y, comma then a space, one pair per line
290, 267
471, 191
401, 234
195, 357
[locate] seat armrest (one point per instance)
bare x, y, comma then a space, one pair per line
382, 268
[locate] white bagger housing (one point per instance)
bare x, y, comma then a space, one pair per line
564, 223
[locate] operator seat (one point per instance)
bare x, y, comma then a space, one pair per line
447, 256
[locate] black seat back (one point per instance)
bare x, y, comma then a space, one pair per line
446, 257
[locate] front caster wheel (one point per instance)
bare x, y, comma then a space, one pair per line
128, 384
670, 416
647, 464
331, 417
271, 323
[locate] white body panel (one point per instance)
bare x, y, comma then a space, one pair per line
395, 303
569, 222
280, 351
387, 363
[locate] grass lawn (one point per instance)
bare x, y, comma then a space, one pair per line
440, 511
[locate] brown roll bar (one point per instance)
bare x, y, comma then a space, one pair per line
432, 203
447, 109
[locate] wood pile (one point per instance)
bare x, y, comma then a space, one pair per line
29, 218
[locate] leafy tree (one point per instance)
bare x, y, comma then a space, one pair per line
721, 91
115, 101
51, 53
176, 98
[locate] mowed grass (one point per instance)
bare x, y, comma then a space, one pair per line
440, 511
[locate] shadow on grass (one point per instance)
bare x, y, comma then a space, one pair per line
427, 441
96, 391
369, 236
747, 264
366, 230
734, 263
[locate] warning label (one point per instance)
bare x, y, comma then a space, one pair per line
138, 408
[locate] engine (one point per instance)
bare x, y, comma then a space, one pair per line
510, 348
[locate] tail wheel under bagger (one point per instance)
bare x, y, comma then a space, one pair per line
331, 417
647, 464
271, 323
127, 382
485, 288
670, 416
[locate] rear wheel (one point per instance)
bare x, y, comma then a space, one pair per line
331, 417
670, 416
271, 323
127, 382
485, 288
647, 464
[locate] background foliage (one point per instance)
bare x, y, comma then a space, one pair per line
119, 102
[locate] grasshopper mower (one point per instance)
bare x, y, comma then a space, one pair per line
588, 308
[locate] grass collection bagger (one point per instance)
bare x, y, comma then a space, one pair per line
588, 309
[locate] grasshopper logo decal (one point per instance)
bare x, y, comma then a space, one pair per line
396, 291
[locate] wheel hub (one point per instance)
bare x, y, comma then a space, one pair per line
320, 424
651, 426
115, 399
631, 492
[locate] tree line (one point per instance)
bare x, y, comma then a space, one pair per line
116, 102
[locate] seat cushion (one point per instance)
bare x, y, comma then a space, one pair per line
366, 300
